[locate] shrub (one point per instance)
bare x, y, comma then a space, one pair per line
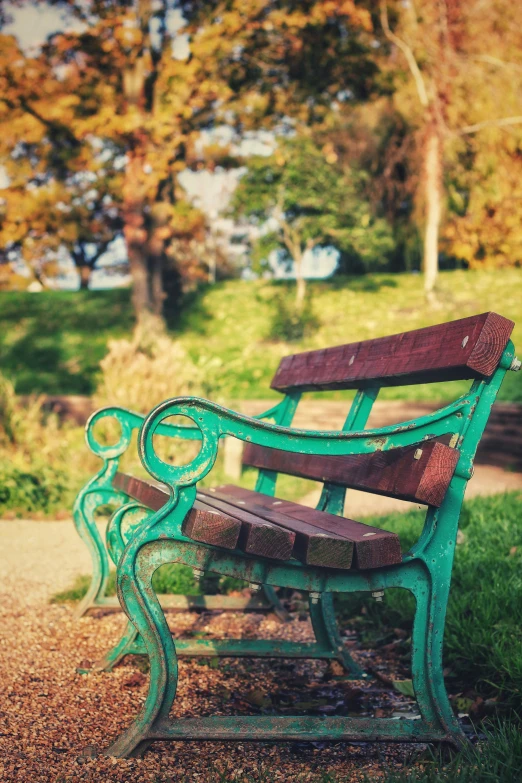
36, 471
42, 488
141, 372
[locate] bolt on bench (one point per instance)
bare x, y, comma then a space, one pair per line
267, 541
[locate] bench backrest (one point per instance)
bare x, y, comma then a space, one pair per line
467, 349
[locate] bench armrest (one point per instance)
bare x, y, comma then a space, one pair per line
215, 421
129, 421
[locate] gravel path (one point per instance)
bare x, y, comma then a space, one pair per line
49, 713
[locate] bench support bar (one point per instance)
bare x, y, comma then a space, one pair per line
304, 729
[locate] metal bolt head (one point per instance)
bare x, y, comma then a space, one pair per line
198, 574
418, 454
378, 595
516, 364
254, 587
314, 597
465, 341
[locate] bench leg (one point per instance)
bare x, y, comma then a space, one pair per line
427, 643
135, 588
141, 604
275, 604
327, 634
83, 515
129, 644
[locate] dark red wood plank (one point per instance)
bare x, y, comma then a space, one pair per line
258, 536
202, 523
419, 473
463, 349
374, 547
313, 545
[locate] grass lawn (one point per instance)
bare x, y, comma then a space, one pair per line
52, 342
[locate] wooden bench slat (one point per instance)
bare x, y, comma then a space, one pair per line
313, 545
202, 523
257, 536
463, 349
214, 522
231, 517
417, 473
374, 547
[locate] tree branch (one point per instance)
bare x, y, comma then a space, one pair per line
408, 53
496, 61
501, 123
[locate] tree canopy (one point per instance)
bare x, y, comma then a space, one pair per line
300, 198
97, 125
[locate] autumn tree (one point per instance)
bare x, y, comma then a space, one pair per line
464, 80
300, 198
111, 98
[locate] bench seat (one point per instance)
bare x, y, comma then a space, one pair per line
234, 518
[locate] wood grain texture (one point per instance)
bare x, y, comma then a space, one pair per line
395, 473
257, 536
202, 523
313, 545
463, 349
373, 547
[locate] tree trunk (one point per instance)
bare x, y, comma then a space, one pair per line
85, 276
145, 266
300, 282
156, 284
432, 194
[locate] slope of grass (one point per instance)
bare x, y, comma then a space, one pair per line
52, 342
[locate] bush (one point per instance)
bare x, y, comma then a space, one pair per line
42, 488
36, 470
140, 372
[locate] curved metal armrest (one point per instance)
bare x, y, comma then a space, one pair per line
215, 422
129, 421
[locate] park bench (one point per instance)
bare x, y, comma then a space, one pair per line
255, 536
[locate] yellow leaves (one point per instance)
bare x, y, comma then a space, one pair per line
330, 155
489, 234
319, 14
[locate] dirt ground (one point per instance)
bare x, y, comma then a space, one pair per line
49, 713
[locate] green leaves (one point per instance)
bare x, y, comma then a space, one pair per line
306, 197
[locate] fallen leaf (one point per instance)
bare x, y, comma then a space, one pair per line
258, 698
136, 680
405, 687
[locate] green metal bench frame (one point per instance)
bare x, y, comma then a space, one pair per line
425, 570
99, 492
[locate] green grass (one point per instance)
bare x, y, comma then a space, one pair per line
483, 636
52, 342
497, 759
174, 579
